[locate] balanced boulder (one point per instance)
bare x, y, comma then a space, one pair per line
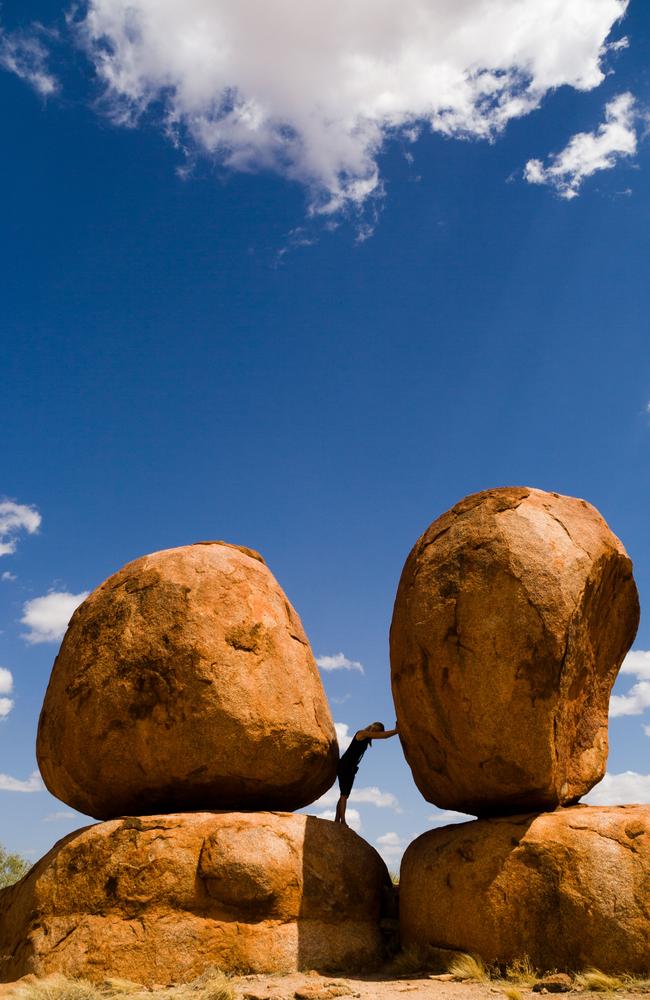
569, 889
186, 681
513, 614
161, 898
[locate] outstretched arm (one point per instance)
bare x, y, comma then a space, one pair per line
372, 734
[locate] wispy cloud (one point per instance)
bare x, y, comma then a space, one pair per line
589, 152
363, 796
33, 784
14, 519
338, 662
23, 53
59, 817
445, 817
314, 91
637, 699
47, 617
7, 577
619, 789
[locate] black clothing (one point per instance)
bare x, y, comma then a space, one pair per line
349, 764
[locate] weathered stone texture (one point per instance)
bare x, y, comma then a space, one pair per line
186, 681
569, 889
513, 614
160, 898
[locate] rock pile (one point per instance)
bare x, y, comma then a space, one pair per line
186, 683
512, 617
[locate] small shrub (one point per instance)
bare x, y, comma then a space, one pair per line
469, 967
599, 982
213, 984
394, 876
512, 993
12, 868
410, 960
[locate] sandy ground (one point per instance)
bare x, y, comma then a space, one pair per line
314, 987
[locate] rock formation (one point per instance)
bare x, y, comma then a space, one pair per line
160, 898
186, 681
513, 614
570, 889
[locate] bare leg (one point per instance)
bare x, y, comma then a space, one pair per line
340, 810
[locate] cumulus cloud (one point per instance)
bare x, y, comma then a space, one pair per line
343, 735
23, 53
351, 815
14, 519
314, 90
47, 617
367, 796
338, 662
391, 845
619, 789
637, 699
32, 784
588, 152
7, 577
6, 687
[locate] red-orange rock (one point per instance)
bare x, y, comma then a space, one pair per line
186, 681
161, 898
513, 615
570, 889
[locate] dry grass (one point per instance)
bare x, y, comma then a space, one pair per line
521, 972
512, 993
58, 988
414, 958
599, 982
469, 967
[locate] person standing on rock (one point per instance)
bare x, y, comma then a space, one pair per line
350, 760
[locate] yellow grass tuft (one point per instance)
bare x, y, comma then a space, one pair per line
469, 967
521, 972
512, 993
58, 988
599, 982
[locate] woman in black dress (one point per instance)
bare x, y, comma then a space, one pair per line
349, 762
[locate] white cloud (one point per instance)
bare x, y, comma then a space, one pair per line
637, 663
58, 817
338, 662
646, 730
33, 783
343, 735
351, 815
22, 53
7, 576
391, 846
47, 617
314, 90
588, 152
448, 816
6, 687
15, 517
619, 789
366, 796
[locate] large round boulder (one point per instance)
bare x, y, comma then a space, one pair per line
161, 898
568, 889
513, 614
186, 681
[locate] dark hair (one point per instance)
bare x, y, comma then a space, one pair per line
377, 725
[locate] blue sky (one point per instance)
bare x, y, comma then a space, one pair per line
377, 290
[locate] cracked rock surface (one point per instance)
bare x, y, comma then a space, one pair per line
156, 899
186, 681
570, 889
512, 617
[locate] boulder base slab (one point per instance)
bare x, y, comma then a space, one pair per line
160, 898
513, 615
570, 889
186, 681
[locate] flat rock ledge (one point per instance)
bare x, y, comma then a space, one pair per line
161, 898
569, 889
